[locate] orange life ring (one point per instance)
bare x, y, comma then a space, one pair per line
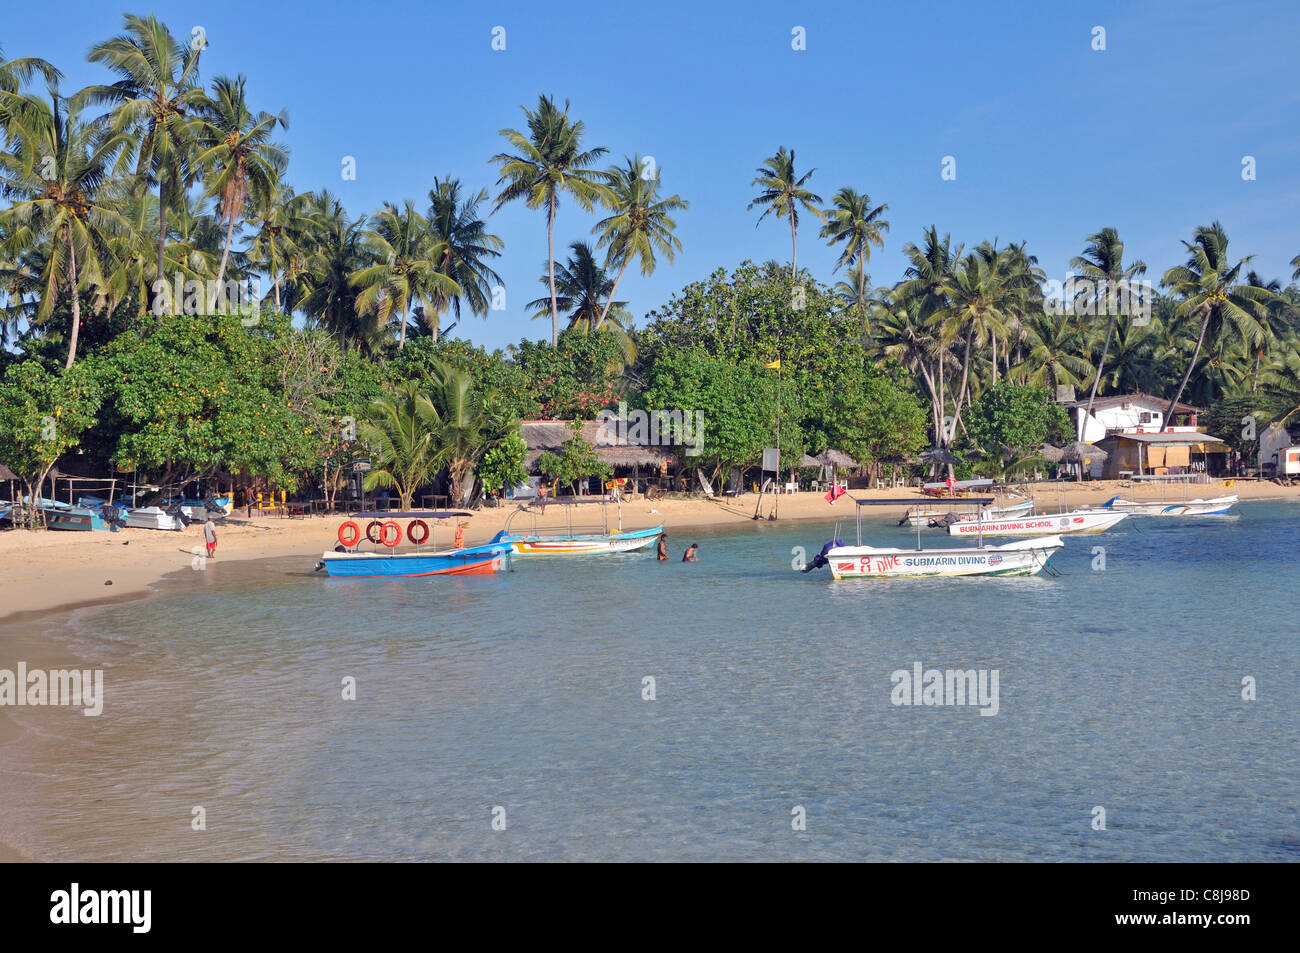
370, 531
348, 539
422, 526
396, 536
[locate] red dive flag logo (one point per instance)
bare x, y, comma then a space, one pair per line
834, 493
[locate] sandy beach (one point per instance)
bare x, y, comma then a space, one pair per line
59, 570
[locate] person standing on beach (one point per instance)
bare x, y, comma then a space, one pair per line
210, 537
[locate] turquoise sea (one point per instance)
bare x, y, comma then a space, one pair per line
520, 698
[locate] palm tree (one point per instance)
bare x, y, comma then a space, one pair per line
1054, 346
404, 271
548, 162
466, 248
977, 307
1103, 261
319, 276
1275, 319
280, 218
783, 192
157, 95
468, 425
401, 434
242, 161
1209, 289
71, 202
641, 225
584, 290
14, 74
853, 223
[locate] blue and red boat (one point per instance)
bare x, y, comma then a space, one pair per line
388, 534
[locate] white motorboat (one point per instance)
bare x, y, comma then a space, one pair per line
1046, 524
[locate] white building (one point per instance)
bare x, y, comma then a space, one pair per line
1127, 413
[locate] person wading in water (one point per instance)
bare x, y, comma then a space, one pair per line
661, 551
689, 556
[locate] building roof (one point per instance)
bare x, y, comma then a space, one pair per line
543, 435
1174, 439
1116, 400
6, 473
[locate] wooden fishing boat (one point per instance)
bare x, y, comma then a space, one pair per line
531, 540
1019, 558
458, 561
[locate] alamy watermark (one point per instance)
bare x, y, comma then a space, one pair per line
652, 428
1087, 297
977, 688
194, 296
37, 687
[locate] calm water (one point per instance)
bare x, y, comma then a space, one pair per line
1118, 688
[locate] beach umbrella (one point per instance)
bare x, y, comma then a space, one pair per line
1051, 454
938, 455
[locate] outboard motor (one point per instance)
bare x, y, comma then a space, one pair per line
820, 559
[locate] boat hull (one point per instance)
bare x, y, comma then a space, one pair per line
474, 561
596, 544
1055, 524
152, 517
995, 512
1026, 558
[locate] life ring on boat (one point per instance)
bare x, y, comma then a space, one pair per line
349, 533
422, 526
371, 533
384, 535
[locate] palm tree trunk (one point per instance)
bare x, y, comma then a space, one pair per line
794, 250
401, 341
550, 254
995, 359
965, 379
162, 227
1105, 349
76, 301
225, 252
612, 291
1169, 413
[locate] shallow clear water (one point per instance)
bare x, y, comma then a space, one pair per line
1119, 688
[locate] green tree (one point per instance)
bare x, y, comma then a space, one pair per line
42, 416
1209, 290
548, 162
1010, 422
577, 460
58, 174
401, 433
781, 190
466, 248
641, 227
156, 97
502, 466
854, 224
1102, 265
242, 161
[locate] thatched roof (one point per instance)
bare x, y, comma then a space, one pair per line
1051, 454
1078, 452
6, 473
543, 435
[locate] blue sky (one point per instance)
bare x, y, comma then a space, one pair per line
1052, 139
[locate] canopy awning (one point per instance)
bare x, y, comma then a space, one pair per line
1165, 439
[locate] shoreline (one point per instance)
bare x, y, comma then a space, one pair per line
56, 571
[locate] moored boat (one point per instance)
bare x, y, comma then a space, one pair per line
1019, 558
1046, 524
1216, 506
458, 561
534, 542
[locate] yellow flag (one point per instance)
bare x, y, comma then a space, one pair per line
1229, 483
775, 364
